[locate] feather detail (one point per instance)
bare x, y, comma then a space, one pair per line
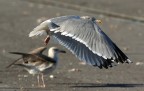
37, 32
40, 30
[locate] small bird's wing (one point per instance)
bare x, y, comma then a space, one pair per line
38, 50
19, 59
25, 66
32, 59
39, 62
13, 62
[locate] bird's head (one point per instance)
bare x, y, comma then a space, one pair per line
53, 53
56, 50
92, 19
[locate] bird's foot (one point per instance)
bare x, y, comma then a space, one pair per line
42, 86
47, 40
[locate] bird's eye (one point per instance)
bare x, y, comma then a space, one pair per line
25, 61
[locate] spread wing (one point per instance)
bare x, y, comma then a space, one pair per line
82, 52
95, 47
89, 34
31, 60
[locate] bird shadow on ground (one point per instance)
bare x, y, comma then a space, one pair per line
96, 85
77, 85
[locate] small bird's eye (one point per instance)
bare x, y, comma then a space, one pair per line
25, 61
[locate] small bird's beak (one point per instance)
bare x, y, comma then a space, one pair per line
99, 21
62, 51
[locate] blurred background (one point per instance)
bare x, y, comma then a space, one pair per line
122, 21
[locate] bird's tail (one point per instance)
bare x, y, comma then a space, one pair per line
22, 65
13, 63
39, 30
18, 53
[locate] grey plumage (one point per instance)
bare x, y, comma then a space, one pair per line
84, 38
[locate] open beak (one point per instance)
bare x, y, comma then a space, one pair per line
46, 41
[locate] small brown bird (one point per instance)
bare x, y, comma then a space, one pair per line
37, 63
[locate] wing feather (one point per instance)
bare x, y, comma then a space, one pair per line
89, 33
81, 51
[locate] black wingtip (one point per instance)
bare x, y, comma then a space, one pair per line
13, 63
128, 61
15, 53
18, 53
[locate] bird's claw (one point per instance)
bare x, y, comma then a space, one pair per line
46, 40
42, 86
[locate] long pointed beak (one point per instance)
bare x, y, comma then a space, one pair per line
62, 51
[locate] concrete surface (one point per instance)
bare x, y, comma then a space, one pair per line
19, 17
128, 7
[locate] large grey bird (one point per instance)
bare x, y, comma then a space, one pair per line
37, 63
84, 38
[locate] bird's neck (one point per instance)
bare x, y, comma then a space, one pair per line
53, 56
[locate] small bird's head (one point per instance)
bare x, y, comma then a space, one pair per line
53, 53
56, 50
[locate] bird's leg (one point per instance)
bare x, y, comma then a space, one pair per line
38, 80
43, 82
47, 40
